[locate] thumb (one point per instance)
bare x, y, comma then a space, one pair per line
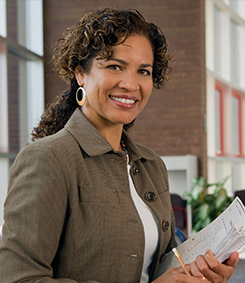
233, 259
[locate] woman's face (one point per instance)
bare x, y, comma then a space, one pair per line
118, 88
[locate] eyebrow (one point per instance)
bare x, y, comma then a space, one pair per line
127, 63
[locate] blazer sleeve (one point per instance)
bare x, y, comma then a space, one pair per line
34, 212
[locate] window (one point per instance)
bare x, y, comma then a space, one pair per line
217, 41
225, 33
234, 5
236, 125
219, 136
3, 18
21, 80
234, 41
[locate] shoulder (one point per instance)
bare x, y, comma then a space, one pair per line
55, 143
52, 159
57, 139
52, 150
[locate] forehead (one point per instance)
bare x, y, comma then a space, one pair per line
136, 46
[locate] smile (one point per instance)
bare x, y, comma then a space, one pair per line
123, 100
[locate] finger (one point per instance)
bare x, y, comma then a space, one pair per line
205, 264
194, 270
177, 275
193, 278
224, 271
232, 260
176, 270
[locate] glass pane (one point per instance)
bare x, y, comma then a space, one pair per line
217, 41
3, 18
234, 53
234, 5
34, 26
241, 9
30, 25
35, 93
3, 100
4, 175
25, 23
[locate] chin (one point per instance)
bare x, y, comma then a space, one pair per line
126, 122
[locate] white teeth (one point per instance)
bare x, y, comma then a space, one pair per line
123, 100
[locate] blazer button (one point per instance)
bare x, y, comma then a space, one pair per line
150, 196
135, 169
165, 225
162, 258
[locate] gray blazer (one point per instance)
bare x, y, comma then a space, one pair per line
69, 215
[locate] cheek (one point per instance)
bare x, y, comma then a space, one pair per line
146, 97
104, 85
93, 91
148, 91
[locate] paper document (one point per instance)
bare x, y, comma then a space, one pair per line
223, 236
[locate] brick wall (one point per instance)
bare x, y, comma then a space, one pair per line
173, 121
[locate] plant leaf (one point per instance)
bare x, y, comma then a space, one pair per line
204, 211
221, 198
196, 191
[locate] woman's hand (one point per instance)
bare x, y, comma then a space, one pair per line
204, 269
177, 275
212, 269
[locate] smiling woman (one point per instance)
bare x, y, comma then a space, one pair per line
85, 202
119, 87
93, 38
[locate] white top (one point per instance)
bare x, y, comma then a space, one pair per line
151, 229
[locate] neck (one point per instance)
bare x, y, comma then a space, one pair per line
111, 132
113, 135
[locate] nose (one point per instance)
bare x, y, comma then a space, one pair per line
129, 81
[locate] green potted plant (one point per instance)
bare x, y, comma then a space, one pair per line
205, 206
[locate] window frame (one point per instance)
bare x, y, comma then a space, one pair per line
238, 96
221, 121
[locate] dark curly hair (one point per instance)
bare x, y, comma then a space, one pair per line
92, 37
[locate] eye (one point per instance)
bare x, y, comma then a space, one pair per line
145, 72
114, 67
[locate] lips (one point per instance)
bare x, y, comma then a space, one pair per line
124, 100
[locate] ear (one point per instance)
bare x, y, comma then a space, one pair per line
79, 75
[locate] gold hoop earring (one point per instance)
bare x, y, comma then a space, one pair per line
81, 96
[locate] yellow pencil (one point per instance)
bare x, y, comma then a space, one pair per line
176, 253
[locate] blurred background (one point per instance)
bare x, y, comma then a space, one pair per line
196, 122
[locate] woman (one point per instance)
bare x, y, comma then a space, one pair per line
86, 203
